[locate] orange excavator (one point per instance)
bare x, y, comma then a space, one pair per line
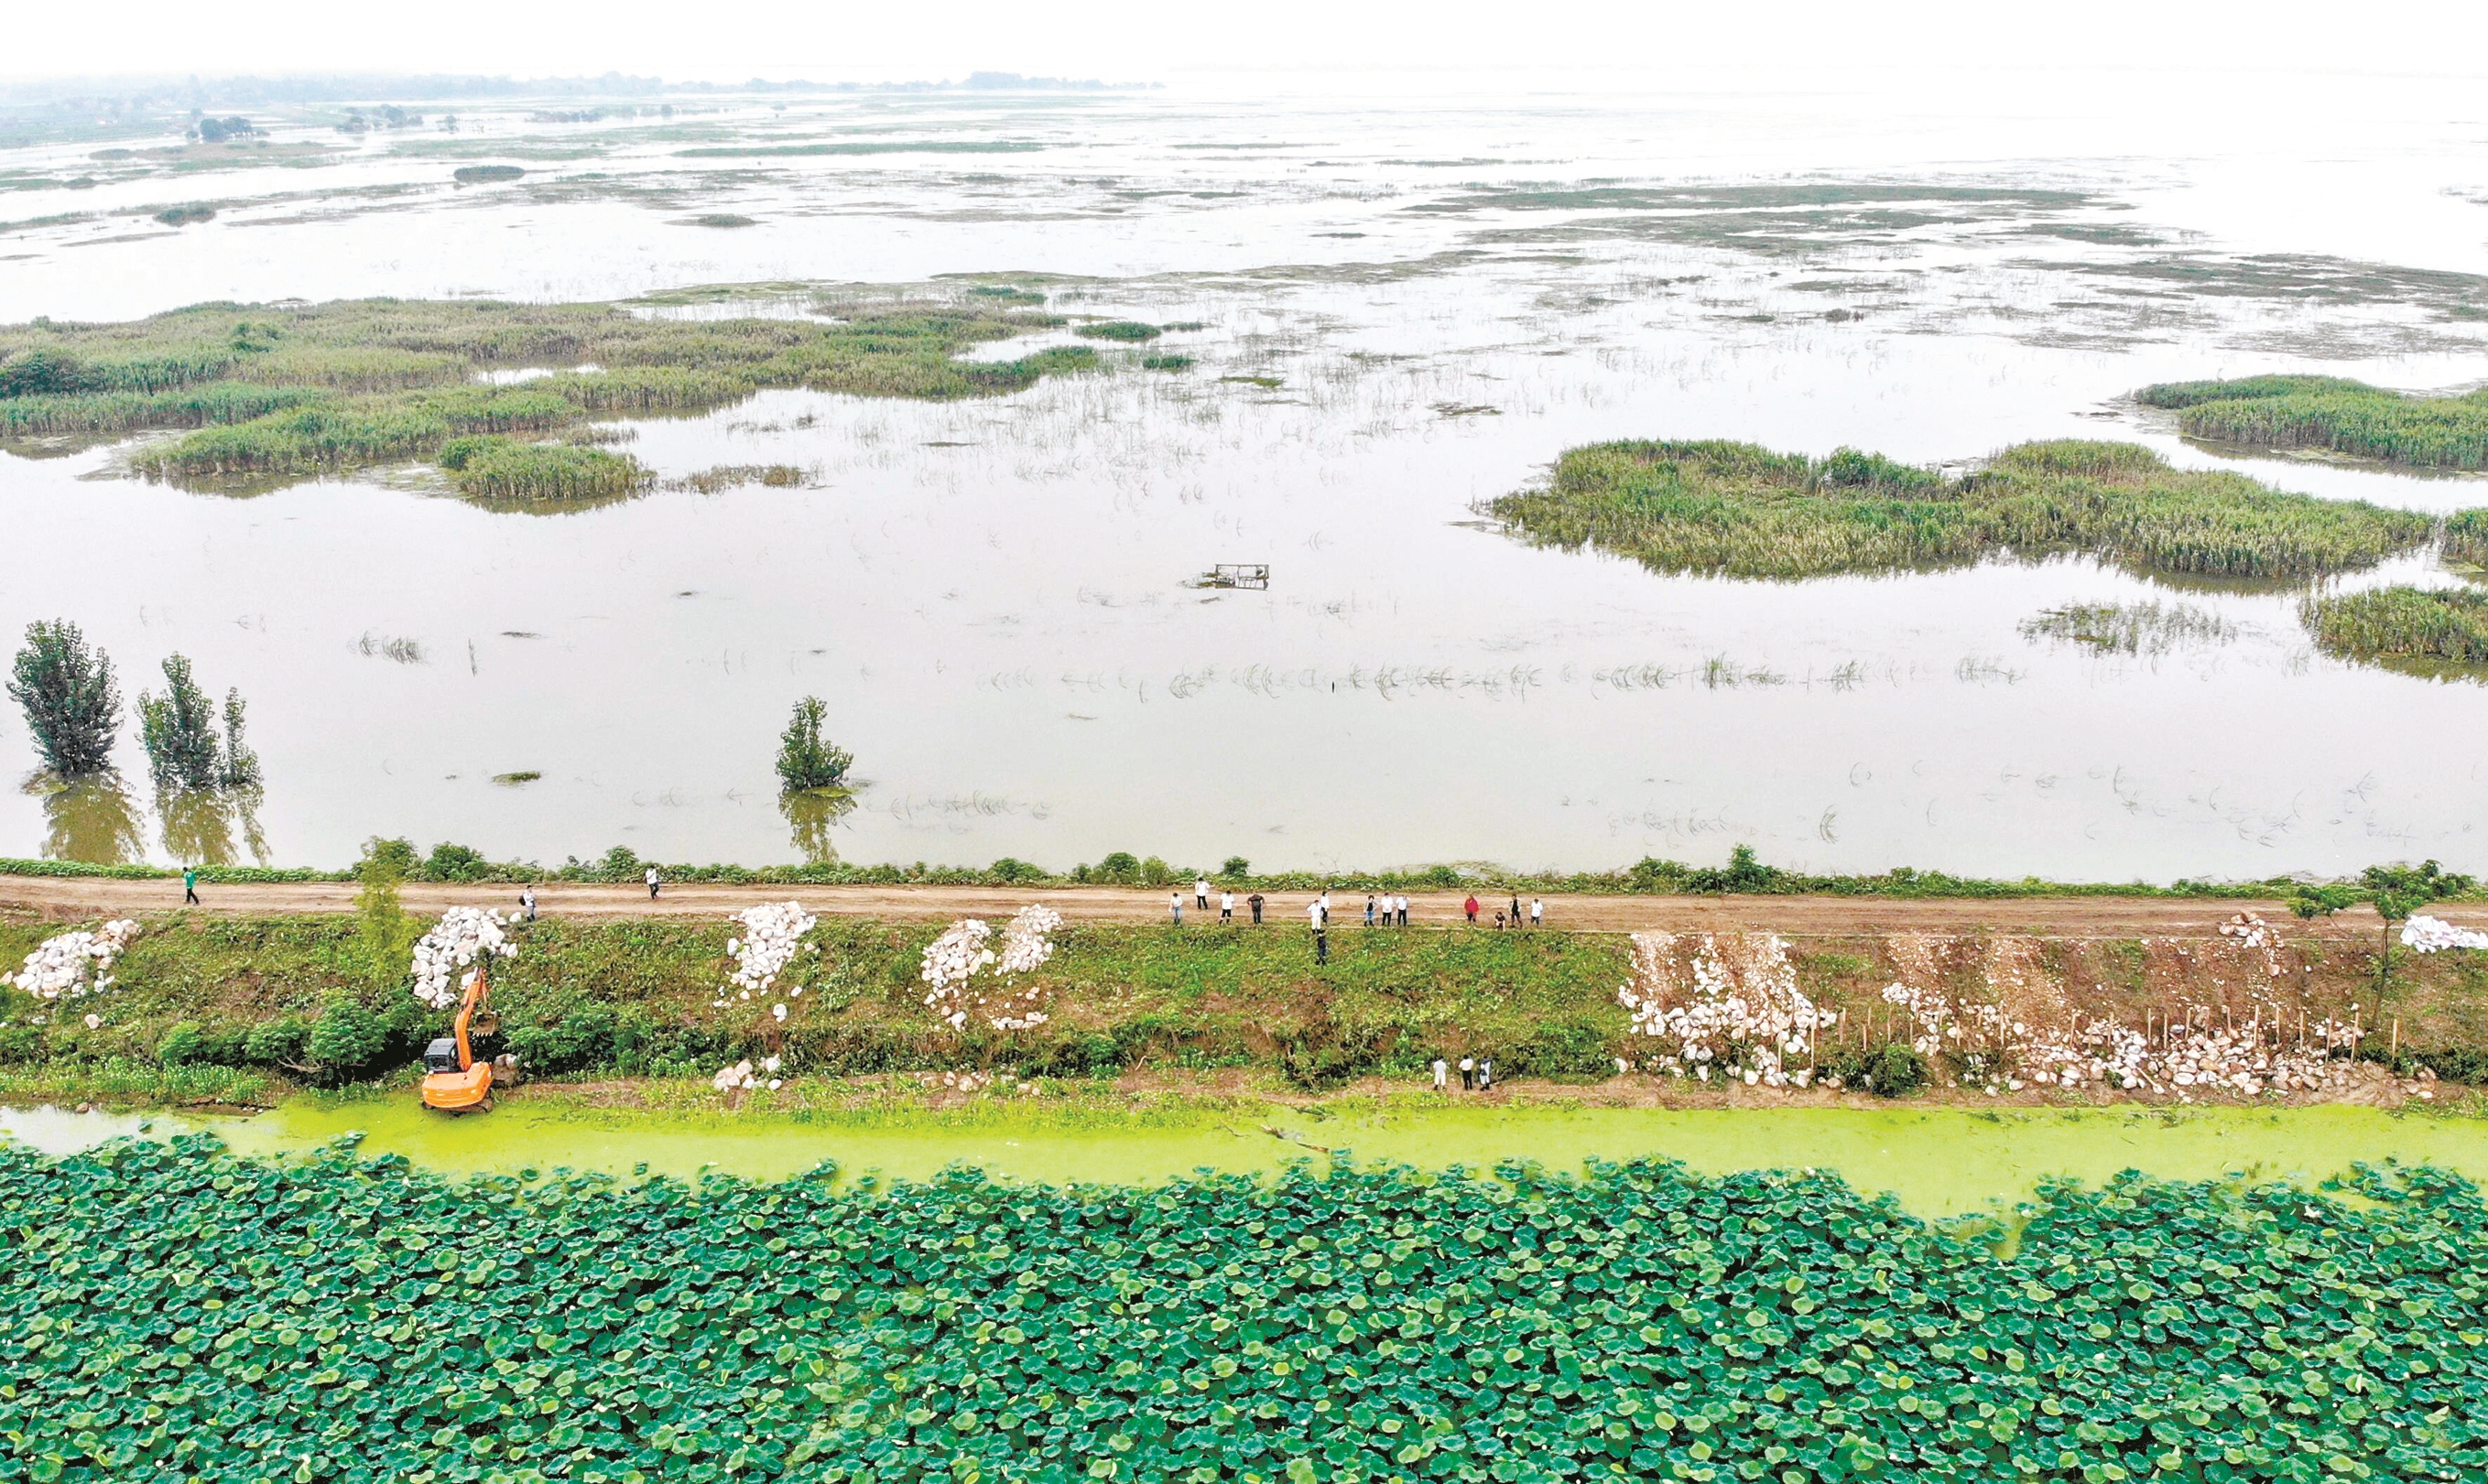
454, 1082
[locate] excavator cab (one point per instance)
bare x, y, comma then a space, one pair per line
454, 1082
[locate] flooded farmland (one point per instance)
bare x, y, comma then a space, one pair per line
1391, 312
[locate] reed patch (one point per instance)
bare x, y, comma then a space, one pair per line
1738, 510
2331, 412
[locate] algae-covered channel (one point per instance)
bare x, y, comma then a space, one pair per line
1940, 1162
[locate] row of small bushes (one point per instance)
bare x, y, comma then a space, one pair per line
1743, 874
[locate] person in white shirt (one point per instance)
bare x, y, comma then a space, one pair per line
1325, 906
652, 884
1200, 893
1537, 911
1485, 1074
1468, 1074
1174, 905
1442, 1071
1404, 909
1314, 911
1226, 906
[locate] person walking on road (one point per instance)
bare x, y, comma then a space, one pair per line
1472, 905
527, 903
1402, 900
1174, 905
1537, 911
1255, 902
652, 884
189, 885
1200, 893
1369, 908
1225, 907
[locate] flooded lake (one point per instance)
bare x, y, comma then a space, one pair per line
1409, 304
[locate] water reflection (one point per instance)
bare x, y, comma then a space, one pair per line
89, 819
810, 814
200, 824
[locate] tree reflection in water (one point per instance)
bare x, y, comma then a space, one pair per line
810, 814
200, 826
89, 819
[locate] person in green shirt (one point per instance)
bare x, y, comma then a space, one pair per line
189, 885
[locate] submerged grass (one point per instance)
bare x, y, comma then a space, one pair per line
2449, 624
2348, 417
502, 471
1741, 511
293, 391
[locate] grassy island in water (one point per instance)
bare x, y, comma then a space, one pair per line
273, 393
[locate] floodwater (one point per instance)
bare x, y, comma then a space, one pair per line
1940, 1162
991, 595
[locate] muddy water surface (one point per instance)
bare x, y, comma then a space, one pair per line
1409, 304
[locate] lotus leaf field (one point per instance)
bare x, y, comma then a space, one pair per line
178, 1313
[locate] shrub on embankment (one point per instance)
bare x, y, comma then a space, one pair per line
2348, 417
1741, 511
177, 1314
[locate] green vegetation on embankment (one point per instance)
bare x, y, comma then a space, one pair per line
2423, 626
324, 1000
637, 999
279, 391
2348, 417
1743, 875
1741, 511
172, 1313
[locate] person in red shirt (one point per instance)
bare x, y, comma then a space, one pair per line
1472, 905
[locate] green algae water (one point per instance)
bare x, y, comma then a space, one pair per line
1940, 1162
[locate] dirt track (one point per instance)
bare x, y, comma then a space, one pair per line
1804, 916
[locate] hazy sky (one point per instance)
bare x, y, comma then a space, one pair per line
1151, 40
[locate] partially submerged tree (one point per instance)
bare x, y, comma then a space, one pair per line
179, 730
72, 704
241, 769
805, 759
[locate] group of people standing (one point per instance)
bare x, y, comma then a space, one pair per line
1384, 909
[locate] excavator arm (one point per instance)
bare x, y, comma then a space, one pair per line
478, 986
